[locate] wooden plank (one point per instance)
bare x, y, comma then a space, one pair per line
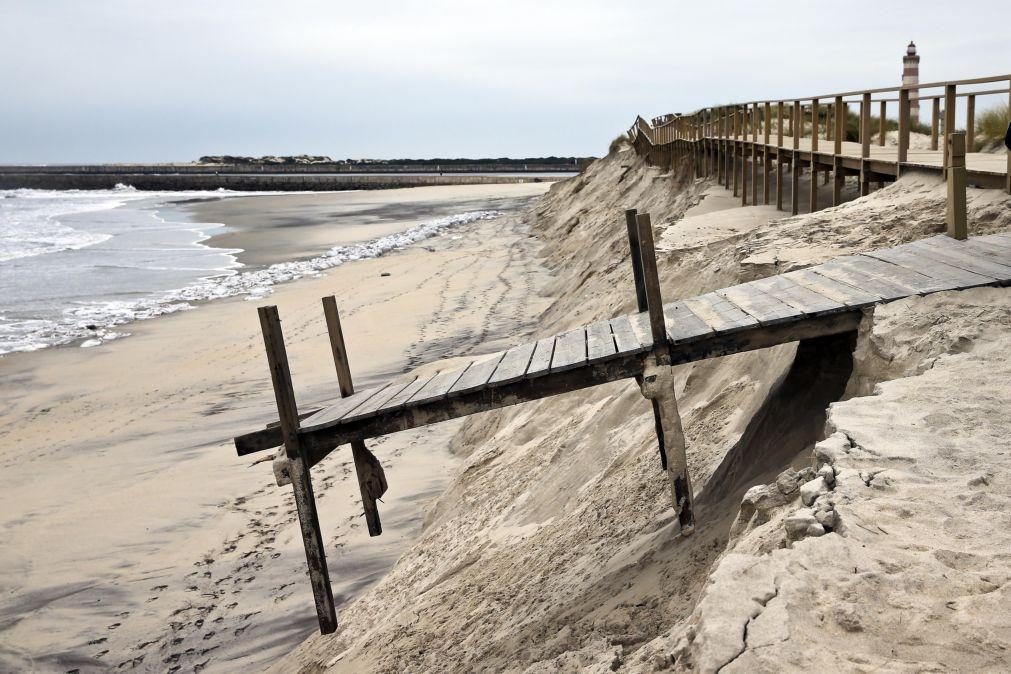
767, 309
599, 342
340, 352
849, 271
513, 365
990, 252
722, 316
625, 338
956, 254
375, 402
399, 400
943, 274
540, 362
898, 274
570, 350
854, 298
1000, 241
438, 386
642, 329
682, 323
800, 298
342, 407
477, 375
651, 280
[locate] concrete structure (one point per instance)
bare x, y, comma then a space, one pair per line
911, 75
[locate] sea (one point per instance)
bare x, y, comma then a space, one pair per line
78, 266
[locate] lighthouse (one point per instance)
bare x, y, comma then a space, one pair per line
911, 75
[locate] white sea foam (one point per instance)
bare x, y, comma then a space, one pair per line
93, 321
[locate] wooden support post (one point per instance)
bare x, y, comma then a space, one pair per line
371, 476
779, 178
903, 130
949, 119
882, 126
766, 169
641, 302
865, 144
935, 120
795, 182
1008, 171
838, 180
733, 149
298, 468
813, 196
658, 384
957, 217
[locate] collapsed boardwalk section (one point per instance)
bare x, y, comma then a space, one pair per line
806, 304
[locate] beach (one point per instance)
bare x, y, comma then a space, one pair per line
134, 536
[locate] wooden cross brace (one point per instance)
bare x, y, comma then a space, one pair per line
657, 380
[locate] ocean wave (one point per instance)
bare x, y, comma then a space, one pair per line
93, 322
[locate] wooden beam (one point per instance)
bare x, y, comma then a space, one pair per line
298, 468
935, 120
882, 128
814, 125
970, 123
949, 120
779, 176
651, 280
369, 470
840, 124
795, 182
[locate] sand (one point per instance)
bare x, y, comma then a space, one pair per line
553, 547
272, 229
133, 535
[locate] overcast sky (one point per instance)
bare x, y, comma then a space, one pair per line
172, 80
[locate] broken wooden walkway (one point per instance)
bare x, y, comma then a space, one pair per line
817, 301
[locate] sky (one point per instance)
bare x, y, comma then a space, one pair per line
105, 81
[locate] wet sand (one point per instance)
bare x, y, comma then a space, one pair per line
132, 533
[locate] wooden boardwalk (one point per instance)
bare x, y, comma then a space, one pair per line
822, 300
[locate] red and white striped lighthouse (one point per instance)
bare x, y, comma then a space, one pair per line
911, 75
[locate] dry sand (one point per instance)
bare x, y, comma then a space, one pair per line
553, 547
132, 534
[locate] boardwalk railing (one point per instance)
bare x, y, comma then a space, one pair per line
729, 141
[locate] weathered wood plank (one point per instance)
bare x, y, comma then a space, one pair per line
540, 362
767, 309
958, 254
477, 375
852, 297
625, 338
372, 405
399, 400
950, 277
342, 406
798, 297
642, 329
988, 251
438, 387
682, 323
570, 350
722, 316
599, 342
852, 272
513, 365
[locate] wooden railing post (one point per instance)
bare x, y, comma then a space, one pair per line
970, 123
298, 469
1009, 149
779, 124
935, 120
766, 114
813, 197
949, 119
754, 154
882, 127
840, 125
957, 216
371, 476
904, 113
865, 144
795, 159
814, 125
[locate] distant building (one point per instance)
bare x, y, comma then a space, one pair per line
911, 75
